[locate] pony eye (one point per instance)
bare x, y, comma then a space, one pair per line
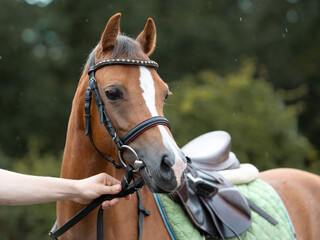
113, 94
166, 97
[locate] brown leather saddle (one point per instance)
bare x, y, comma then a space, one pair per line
215, 206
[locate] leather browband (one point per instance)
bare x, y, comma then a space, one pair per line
123, 61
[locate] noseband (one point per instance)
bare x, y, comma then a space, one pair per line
121, 143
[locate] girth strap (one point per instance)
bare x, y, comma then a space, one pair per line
262, 213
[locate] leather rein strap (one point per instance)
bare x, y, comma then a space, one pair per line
126, 190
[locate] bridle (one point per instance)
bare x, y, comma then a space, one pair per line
121, 145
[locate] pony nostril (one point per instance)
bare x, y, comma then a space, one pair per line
166, 168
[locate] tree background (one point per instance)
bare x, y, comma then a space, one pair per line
248, 67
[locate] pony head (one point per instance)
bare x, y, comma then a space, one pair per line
131, 95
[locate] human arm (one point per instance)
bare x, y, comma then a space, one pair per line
21, 189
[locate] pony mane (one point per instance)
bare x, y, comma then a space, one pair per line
125, 47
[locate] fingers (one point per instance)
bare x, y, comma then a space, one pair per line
116, 189
109, 180
112, 189
111, 186
107, 204
128, 197
113, 202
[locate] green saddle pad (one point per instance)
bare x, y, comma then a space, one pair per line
180, 227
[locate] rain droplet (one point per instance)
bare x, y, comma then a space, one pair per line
292, 16
240, 19
245, 5
29, 35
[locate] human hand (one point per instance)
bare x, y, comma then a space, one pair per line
97, 185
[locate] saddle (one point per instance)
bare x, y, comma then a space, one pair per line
211, 152
214, 205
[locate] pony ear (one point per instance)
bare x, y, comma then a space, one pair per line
147, 38
111, 32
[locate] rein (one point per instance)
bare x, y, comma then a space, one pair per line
121, 144
126, 190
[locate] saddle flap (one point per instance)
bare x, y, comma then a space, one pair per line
237, 200
192, 205
232, 210
196, 211
226, 214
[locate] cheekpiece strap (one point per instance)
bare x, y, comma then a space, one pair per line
123, 61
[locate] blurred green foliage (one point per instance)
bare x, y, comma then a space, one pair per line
269, 103
35, 221
264, 130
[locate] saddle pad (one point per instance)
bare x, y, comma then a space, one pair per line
181, 228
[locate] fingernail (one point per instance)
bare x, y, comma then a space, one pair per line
114, 203
117, 187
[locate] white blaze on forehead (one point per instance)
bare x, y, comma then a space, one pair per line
149, 93
149, 96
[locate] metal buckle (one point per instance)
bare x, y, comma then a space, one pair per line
137, 163
203, 187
